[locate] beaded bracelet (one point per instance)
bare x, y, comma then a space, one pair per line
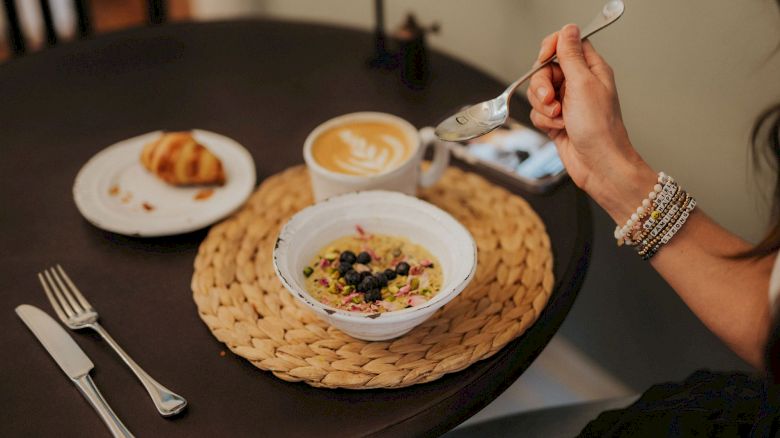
667, 213
669, 218
685, 213
658, 190
656, 214
649, 250
661, 215
669, 221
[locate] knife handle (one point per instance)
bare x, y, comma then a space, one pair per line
95, 398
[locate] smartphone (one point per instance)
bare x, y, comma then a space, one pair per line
518, 152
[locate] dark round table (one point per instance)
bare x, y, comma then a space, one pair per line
265, 84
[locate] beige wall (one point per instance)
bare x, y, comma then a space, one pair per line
692, 74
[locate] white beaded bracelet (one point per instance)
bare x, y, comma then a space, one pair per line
665, 184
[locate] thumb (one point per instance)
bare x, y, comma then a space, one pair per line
570, 54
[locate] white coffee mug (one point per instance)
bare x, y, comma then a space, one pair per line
404, 178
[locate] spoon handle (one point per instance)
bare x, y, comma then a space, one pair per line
609, 14
537, 66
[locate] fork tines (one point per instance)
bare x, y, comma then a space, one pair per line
64, 296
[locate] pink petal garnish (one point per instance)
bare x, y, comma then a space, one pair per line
324, 282
426, 262
416, 300
404, 290
373, 254
360, 230
324, 263
415, 270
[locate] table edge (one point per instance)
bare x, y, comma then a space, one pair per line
572, 281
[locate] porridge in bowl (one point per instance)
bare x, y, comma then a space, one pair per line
373, 273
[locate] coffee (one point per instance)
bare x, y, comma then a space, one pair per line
362, 148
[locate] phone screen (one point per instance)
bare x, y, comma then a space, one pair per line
517, 149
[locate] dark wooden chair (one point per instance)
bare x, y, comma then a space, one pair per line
157, 15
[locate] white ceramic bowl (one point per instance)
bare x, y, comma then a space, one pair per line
380, 212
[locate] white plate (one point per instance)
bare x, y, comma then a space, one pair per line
116, 193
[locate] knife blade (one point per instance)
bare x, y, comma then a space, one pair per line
68, 355
72, 360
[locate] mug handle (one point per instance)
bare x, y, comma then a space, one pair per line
441, 157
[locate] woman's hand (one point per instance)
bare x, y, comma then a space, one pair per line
576, 103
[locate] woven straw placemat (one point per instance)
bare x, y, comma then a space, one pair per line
246, 307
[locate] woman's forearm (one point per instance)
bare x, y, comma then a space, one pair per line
729, 295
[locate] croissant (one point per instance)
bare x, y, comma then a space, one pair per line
178, 159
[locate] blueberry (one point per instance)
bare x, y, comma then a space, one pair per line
364, 274
348, 257
352, 277
373, 295
402, 268
380, 279
344, 267
390, 274
364, 258
367, 284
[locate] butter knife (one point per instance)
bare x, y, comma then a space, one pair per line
73, 362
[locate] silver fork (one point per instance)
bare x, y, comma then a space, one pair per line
76, 313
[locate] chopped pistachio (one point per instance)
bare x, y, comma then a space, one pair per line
393, 289
331, 256
391, 298
307, 271
414, 283
348, 290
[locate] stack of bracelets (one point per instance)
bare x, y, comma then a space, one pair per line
658, 219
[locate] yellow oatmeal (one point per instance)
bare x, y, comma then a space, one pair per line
373, 273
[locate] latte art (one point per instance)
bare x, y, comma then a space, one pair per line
362, 148
365, 158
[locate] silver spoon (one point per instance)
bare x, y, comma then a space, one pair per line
484, 117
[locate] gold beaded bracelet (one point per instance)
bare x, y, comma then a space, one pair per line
658, 213
651, 247
672, 231
663, 227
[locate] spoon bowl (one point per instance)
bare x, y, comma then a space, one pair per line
486, 116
